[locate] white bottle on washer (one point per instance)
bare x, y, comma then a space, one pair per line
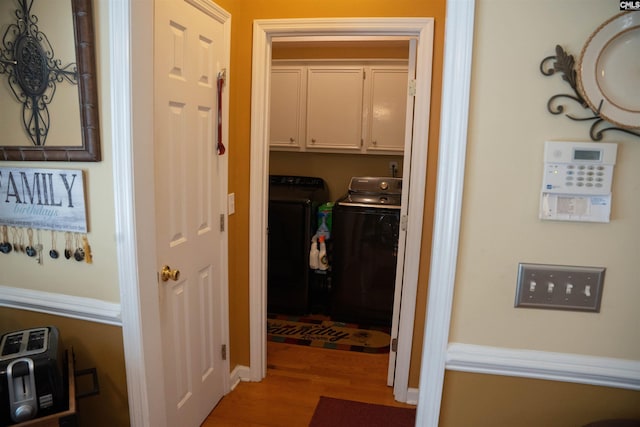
322, 254
314, 255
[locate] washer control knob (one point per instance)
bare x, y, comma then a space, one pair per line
384, 185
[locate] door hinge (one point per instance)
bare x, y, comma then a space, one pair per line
403, 222
364, 75
221, 222
224, 352
412, 87
394, 344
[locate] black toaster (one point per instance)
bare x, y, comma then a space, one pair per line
31, 375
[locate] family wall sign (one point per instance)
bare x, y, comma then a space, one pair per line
46, 199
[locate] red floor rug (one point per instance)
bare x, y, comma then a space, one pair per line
346, 413
327, 334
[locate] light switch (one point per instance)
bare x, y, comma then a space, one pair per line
563, 287
231, 203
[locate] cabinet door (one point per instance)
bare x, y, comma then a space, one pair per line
334, 107
386, 109
287, 107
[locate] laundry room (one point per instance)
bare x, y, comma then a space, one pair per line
338, 114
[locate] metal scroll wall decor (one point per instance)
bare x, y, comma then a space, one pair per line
28, 60
565, 64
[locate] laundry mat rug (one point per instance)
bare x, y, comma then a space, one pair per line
326, 334
332, 412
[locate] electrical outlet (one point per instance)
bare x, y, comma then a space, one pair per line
559, 287
393, 169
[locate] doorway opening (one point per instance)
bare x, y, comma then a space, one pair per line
420, 31
338, 110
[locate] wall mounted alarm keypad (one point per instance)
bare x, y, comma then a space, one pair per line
578, 168
576, 183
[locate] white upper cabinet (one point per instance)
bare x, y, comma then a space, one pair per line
334, 107
288, 86
339, 107
385, 109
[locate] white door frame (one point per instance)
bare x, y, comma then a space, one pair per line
129, 126
130, 48
446, 229
348, 28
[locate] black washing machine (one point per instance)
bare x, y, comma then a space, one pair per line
365, 234
293, 206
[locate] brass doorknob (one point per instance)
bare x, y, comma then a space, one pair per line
167, 273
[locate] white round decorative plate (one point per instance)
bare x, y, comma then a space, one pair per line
609, 70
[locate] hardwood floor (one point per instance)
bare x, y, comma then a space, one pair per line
296, 378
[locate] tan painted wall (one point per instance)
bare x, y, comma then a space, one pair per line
492, 400
239, 150
343, 50
95, 346
500, 226
335, 169
508, 126
97, 280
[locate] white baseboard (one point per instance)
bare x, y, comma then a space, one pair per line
89, 309
239, 373
412, 396
575, 368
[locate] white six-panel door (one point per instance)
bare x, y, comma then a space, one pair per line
189, 50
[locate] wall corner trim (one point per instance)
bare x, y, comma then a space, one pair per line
82, 308
575, 368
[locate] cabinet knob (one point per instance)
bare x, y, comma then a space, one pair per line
292, 140
374, 142
313, 140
